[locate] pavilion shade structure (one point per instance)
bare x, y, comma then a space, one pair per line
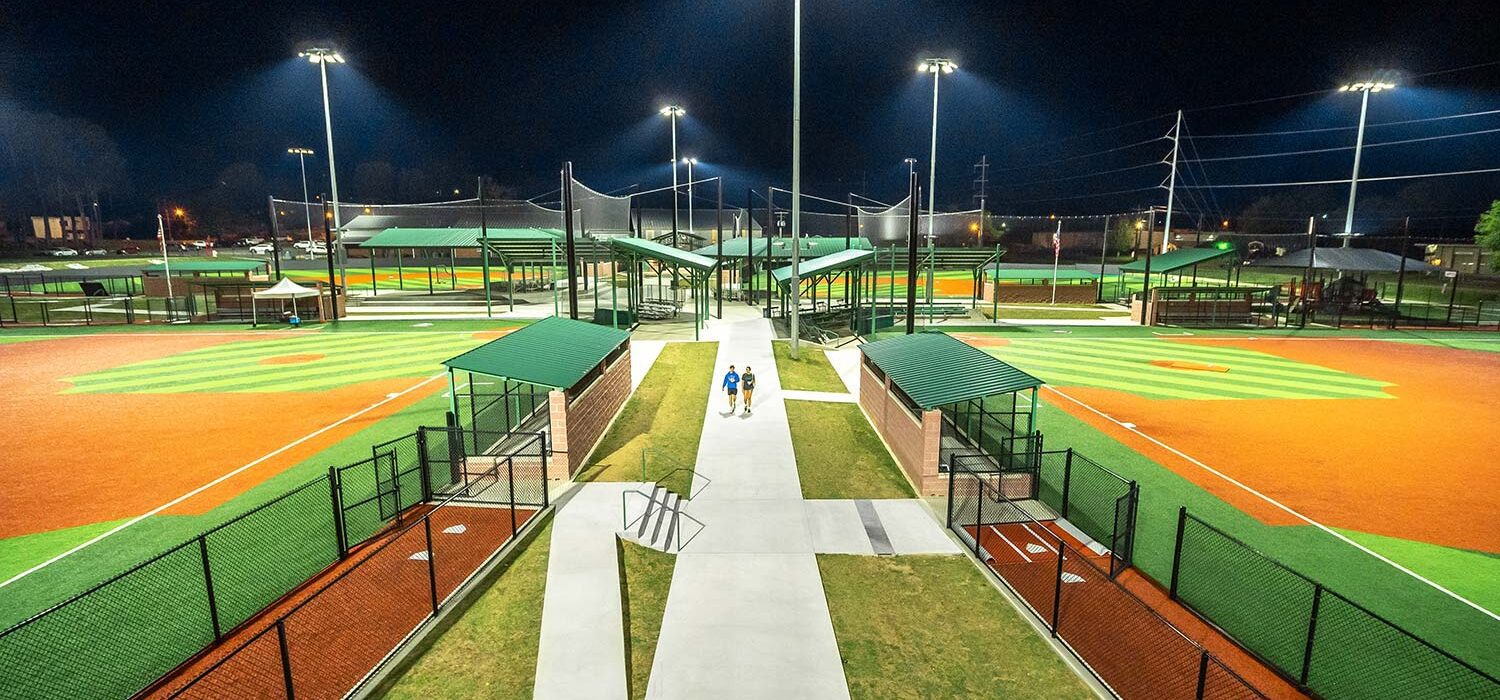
664, 262
1345, 260
934, 369
1175, 260
424, 238
832, 263
554, 352
650, 250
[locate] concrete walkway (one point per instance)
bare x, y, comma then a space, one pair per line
746, 616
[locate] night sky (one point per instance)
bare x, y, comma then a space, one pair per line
511, 89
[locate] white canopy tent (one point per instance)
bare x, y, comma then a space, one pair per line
285, 289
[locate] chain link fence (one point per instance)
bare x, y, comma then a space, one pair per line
1127, 645
1317, 638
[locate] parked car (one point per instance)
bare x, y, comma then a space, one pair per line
262, 249
304, 245
128, 250
96, 251
318, 249
63, 253
253, 240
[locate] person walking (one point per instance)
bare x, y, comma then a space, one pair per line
748, 380
731, 386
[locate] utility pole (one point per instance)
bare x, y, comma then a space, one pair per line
982, 185
1312, 249
1172, 182
569, 249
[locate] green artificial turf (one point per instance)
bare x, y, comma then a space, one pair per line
900, 636
1399, 597
18, 554
839, 455
645, 580
489, 651
811, 370
661, 422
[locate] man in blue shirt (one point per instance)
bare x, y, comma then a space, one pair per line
731, 386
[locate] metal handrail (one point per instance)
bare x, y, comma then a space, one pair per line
678, 513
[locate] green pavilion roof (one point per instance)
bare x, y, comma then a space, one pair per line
554, 352
935, 369
663, 253
215, 265
1176, 260
828, 263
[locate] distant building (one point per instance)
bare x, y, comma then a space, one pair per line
62, 229
1464, 257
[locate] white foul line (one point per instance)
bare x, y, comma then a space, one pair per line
221, 479
1278, 504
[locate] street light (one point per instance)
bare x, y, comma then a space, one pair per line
322, 57
672, 112
302, 154
690, 162
937, 67
1364, 88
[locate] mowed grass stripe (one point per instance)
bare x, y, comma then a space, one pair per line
243, 374
284, 377
257, 350
1158, 349
1303, 384
1060, 372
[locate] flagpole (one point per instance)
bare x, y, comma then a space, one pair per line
1056, 253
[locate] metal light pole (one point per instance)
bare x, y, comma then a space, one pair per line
672, 112
1364, 88
690, 162
937, 67
302, 154
322, 57
911, 167
796, 167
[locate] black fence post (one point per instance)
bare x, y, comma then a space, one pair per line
286, 659
1177, 551
1202, 674
952, 476
1312, 631
340, 542
510, 479
455, 440
1057, 588
424, 469
208, 584
545, 498
1067, 482
395, 485
431, 566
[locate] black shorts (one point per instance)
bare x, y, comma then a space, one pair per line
732, 391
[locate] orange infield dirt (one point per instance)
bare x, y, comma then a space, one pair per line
1401, 468
77, 459
339, 625
1134, 651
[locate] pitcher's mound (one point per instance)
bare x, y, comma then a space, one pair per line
292, 359
1189, 365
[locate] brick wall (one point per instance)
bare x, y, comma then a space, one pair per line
914, 442
577, 426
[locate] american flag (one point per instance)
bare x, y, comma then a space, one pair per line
1057, 242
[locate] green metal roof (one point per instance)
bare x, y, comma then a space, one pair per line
1036, 273
656, 251
554, 352
216, 265
455, 237
817, 266
812, 247
935, 369
1175, 260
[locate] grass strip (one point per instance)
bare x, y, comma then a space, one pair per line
839, 455
811, 370
645, 579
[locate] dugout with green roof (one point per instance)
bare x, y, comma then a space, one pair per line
1175, 260
1180, 263
661, 300
554, 352
963, 401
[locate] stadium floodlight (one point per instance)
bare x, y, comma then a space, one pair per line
1364, 88
673, 112
302, 154
937, 67
322, 57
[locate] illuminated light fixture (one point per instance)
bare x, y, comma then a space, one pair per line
672, 111
1364, 88
321, 56
933, 65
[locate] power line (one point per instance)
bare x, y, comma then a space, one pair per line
1349, 128
1331, 149
1092, 174
1085, 155
1094, 132
1345, 181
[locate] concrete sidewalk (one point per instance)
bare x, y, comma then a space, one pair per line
746, 616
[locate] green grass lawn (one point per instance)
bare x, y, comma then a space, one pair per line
490, 649
809, 372
933, 627
839, 455
645, 579
663, 421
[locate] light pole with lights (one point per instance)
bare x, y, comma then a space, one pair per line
672, 112
937, 67
1364, 88
302, 154
322, 57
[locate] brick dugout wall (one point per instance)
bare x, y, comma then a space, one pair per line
578, 425
913, 441
1042, 293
